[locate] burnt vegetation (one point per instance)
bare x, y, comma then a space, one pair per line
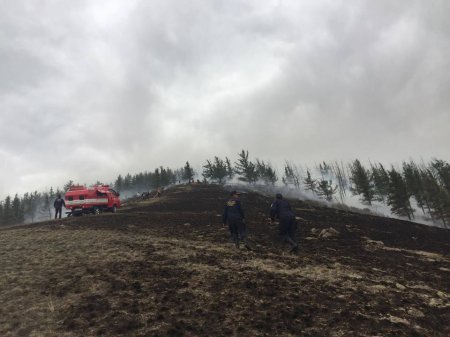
165, 267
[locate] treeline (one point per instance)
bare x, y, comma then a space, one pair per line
407, 190
36, 205
428, 185
29, 207
160, 177
262, 172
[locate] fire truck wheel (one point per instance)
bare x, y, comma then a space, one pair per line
114, 209
96, 210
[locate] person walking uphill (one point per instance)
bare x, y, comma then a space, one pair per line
233, 216
280, 208
58, 204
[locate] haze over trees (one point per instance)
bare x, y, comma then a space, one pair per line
410, 191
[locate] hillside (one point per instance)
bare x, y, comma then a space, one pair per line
165, 267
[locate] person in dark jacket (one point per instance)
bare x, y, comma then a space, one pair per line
58, 204
233, 216
281, 209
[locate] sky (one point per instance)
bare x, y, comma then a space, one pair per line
91, 89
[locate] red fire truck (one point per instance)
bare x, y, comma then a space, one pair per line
96, 199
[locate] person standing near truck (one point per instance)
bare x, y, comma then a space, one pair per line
281, 209
58, 204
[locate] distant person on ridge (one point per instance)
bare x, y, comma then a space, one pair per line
158, 193
233, 216
58, 204
281, 209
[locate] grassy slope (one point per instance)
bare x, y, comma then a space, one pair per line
165, 268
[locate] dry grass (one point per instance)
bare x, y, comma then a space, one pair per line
150, 271
32, 259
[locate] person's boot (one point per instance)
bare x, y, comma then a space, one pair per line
236, 243
246, 245
294, 245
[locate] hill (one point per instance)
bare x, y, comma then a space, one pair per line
165, 267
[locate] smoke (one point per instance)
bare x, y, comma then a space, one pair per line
92, 89
346, 200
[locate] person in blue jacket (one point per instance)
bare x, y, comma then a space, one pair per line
233, 216
281, 209
58, 204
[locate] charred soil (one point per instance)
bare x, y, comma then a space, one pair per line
166, 267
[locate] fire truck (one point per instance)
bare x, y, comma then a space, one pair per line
91, 200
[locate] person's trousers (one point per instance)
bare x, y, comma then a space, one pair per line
237, 229
288, 229
58, 210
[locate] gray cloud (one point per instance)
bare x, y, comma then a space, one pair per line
90, 90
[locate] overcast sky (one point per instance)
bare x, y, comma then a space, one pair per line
91, 89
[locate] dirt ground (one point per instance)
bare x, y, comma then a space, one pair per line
166, 267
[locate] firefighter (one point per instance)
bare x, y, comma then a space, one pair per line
58, 204
233, 216
281, 209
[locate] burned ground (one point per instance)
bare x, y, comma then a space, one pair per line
165, 267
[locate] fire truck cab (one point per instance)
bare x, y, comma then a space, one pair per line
91, 200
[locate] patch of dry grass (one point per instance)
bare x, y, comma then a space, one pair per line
31, 261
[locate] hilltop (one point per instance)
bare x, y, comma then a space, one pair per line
165, 267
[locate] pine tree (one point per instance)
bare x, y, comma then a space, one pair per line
2, 222
216, 171
30, 201
326, 189
156, 179
47, 205
380, 182
208, 170
220, 170
164, 177
291, 176
127, 182
51, 194
437, 198
179, 174
414, 184
325, 170
245, 168
265, 172
310, 184
169, 177
18, 213
339, 172
118, 184
68, 185
363, 185
230, 171
147, 180
188, 174
8, 214
138, 182
398, 196
442, 171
